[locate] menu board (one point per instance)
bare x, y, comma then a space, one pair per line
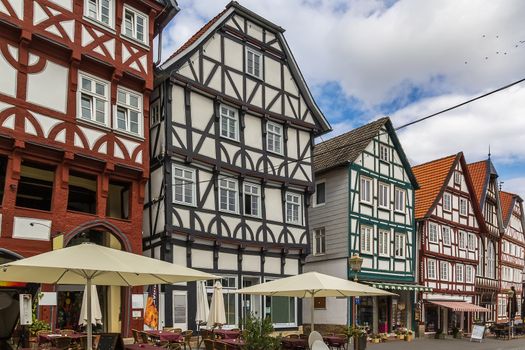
110, 341
478, 332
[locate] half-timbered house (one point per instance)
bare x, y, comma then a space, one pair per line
75, 79
511, 252
232, 132
364, 204
448, 223
485, 180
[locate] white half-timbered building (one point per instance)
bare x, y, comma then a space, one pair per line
232, 131
448, 220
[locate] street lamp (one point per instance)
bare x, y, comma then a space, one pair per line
355, 262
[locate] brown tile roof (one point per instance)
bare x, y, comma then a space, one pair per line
197, 35
479, 175
431, 178
345, 148
507, 203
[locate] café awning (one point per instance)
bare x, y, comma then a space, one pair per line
460, 306
401, 286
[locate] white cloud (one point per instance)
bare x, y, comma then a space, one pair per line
515, 185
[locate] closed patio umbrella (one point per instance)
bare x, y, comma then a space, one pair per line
90, 264
96, 313
203, 308
310, 285
217, 314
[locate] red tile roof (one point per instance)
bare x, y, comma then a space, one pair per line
479, 175
507, 203
431, 178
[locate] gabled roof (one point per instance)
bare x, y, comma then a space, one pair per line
432, 177
507, 200
211, 27
480, 173
344, 149
171, 8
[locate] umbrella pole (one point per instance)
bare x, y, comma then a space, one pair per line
89, 325
312, 315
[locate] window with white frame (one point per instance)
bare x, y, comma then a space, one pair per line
100, 11
447, 201
491, 261
274, 138
463, 206
229, 286
471, 243
319, 241
462, 239
469, 274
365, 191
384, 153
320, 193
445, 234
366, 239
228, 194
252, 200
93, 99
229, 123
281, 310
443, 270
183, 185
432, 232
294, 212
502, 306
459, 272
135, 25
457, 177
399, 200
399, 245
180, 307
129, 112
154, 113
431, 269
383, 242
383, 195
254, 63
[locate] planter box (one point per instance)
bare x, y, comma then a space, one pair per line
409, 337
360, 343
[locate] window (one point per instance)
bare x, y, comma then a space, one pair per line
366, 190
82, 193
100, 11
463, 206
443, 270
281, 310
154, 113
183, 185
469, 274
462, 239
383, 242
457, 177
229, 123
445, 234
383, 153
366, 239
274, 138
118, 203
229, 286
432, 232
471, 243
491, 261
228, 195
399, 245
93, 99
431, 267
180, 307
384, 191
502, 307
35, 187
320, 193
252, 200
129, 112
294, 214
459, 273
254, 63
135, 25
320, 303
399, 200
447, 201
319, 241
489, 213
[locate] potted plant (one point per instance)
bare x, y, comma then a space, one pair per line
384, 337
457, 333
439, 334
257, 332
375, 338
409, 335
37, 325
359, 335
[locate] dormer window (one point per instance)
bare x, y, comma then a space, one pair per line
254, 63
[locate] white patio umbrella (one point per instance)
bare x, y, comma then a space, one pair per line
217, 313
310, 285
94, 264
96, 313
203, 308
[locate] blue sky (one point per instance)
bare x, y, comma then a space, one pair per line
406, 59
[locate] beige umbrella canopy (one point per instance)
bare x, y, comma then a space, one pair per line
313, 284
94, 264
217, 315
96, 313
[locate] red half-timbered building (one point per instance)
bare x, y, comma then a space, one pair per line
485, 180
76, 76
511, 251
448, 222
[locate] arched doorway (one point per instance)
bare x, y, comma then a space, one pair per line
113, 300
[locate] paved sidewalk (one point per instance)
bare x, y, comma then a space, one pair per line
449, 344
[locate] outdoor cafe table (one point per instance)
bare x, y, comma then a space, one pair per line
50, 337
334, 340
142, 347
168, 336
232, 343
227, 334
295, 343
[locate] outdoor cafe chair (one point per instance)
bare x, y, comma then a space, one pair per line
67, 332
136, 337
145, 338
319, 345
209, 344
187, 338
62, 342
314, 335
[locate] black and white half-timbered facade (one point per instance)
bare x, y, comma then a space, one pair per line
232, 130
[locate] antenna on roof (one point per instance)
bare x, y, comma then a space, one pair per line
501, 185
489, 151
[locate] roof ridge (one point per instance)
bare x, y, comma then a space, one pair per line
437, 160
352, 131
